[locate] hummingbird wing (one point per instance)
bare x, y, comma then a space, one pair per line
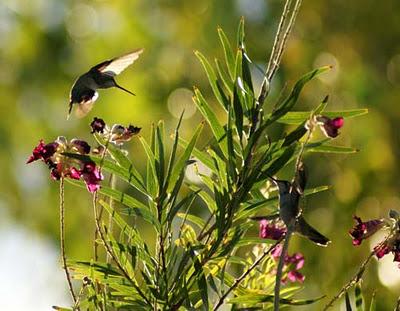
83, 108
116, 65
304, 229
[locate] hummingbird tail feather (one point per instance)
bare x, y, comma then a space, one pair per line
304, 229
124, 89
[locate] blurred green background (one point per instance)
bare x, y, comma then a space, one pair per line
45, 45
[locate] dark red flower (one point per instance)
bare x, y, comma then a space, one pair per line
381, 250
92, 176
56, 171
329, 126
43, 152
364, 230
271, 230
98, 125
121, 134
81, 146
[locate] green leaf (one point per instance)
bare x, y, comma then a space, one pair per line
240, 33
330, 149
193, 218
348, 304
131, 233
202, 156
182, 162
130, 175
186, 201
214, 82
134, 207
295, 135
229, 57
152, 180
211, 118
291, 100
372, 305
254, 299
359, 297
223, 76
297, 117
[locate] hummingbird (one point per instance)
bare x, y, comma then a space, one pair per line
289, 207
101, 76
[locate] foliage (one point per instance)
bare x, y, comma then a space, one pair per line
199, 261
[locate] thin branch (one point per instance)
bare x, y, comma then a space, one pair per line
278, 278
245, 274
353, 281
277, 60
113, 181
62, 241
398, 305
278, 34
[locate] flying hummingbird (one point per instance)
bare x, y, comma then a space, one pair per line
84, 91
289, 207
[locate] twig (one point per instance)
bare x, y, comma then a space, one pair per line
279, 271
398, 305
276, 62
353, 281
110, 217
62, 241
245, 274
278, 34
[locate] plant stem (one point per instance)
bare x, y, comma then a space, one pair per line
245, 274
277, 60
353, 281
278, 278
62, 241
398, 305
113, 181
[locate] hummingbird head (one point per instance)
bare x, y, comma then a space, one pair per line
283, 185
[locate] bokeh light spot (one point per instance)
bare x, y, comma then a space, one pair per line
393, 70
181, 100
82, 21
194, 171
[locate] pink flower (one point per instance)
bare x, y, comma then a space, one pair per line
329, 126
295, 276
364, 230
271, 230
91, 176
292, 264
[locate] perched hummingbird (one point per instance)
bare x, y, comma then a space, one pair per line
101, 76
289, 207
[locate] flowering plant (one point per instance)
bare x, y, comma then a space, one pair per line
213, 258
